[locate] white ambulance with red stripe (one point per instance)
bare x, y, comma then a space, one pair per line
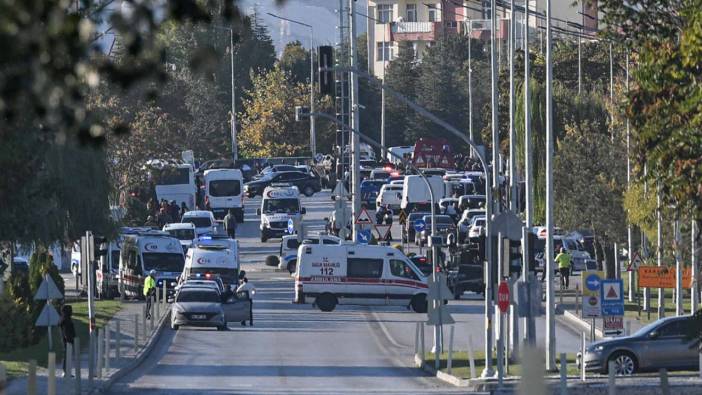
328, 275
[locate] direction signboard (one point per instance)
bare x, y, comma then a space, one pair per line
592, 283
291, 226
419, 225
503, 297
612, 297
613, 325
363, 236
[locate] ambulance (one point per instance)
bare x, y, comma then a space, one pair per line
280, 203
145, 251
107, 273
213, 258
330, 275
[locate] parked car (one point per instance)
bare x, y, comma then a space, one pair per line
661, 344
477, 227
306, 183
408, 232
444, 227
466, 221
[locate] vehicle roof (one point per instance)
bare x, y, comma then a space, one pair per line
179, 225
198, 213
200, 285
222, 172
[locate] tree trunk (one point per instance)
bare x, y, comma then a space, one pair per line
609, 260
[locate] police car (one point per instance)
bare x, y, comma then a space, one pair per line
280, 203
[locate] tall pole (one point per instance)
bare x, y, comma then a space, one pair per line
355, 120
235, 150
383, 153
550, 310
611, 86
659, 249
512, 135
313, 130
490, 286
529, 322
580, 63
470, 86
694, 303
678, 271
629, 236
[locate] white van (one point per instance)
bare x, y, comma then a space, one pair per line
215, 259
183, 231
223, 189
146, 251
107, 274
404, 152
416, 194
290, 244
280, 203
203, 220
328, 275
388, 195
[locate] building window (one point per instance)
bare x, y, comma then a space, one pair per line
383, 51
434, 14
384, 13
411, 13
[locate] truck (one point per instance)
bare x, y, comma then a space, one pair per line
416, 195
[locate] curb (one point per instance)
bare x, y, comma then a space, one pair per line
445, 377
136, 361
581, 324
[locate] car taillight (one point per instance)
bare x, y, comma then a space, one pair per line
208, 275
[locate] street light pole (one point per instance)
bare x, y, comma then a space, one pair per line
355, 120
512, 135
550, 310
235, 147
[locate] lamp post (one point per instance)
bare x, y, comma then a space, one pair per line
313, 131
235, 145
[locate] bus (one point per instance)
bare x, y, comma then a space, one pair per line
175, 182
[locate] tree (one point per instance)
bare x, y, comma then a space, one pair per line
401, 75
296, 61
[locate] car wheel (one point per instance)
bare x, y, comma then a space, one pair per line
326, 302
291, 266
625, 363
308, 191
419, 303
174, 327
271, 260
264, 237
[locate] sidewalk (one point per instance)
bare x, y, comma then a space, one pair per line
129, 355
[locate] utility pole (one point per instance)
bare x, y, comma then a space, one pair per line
679, 310
550, 310
659, 248
628, 185
313, 129
694, 303
383, 151
235, 148
529, 322
470, 87
355, 120
512, 135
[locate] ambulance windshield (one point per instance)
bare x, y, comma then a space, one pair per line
288, 206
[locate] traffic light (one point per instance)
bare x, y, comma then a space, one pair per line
326, 77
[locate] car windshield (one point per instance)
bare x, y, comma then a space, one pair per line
182, 234
225, 188
281, 206
199, 295
479, 222
199, 222
163, 262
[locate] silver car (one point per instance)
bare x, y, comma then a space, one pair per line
661, 344
204, 306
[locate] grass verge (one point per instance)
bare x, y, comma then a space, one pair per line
17, 361
461, 366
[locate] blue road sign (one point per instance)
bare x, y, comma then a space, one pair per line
291, 226
592, 282
363, 236
612, 297
419, 225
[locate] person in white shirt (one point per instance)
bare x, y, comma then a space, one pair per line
249, 287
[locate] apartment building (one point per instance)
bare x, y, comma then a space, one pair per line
424, 22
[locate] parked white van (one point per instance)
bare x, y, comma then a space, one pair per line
223, 189
328, 275
183, 231
213, 259
203, 220
388, 195
416, 194
280, 203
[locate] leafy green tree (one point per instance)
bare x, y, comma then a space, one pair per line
401, 75
296, 61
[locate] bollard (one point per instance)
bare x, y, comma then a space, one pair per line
91, 359
416, 339
471, 360
449, 362
151, 326
69, 360
157, 311
118, 340
143, 323
107, 346
582, 356
701, 365
421, 339
136, 332
100, 351
627, 328
164, 296
611, 379
577, 299
665, 388
51, 379
76, 364
3, 379
564, 374
31, 378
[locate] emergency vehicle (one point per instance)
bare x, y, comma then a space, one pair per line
213, 259
146, 251
280, 203
290, 244
328, 275
107, 274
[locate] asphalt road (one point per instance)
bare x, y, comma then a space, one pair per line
297, 349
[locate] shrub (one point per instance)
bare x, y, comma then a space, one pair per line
17, 331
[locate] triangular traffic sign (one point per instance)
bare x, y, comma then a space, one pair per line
444, 161
419, 161
48, 316
340, 190
364, 218
48, 290
382, 231
612, 292
440, 315
439, 289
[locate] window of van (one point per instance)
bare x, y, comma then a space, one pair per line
402, 269
182, 234
163, 262
293, 243
364, 268
199, 222
327, 241
281, 206
115, 259
225, 188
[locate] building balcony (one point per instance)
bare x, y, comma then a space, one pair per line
415, 31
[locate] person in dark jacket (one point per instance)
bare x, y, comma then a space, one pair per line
68, 331
230, 223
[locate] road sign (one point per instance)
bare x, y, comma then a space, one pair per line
612, 297
439, 290
403, 217
48, 316
364, 218
634, 262
662, 277
291, 226
439, 315
613, 325
383, 231
48, 290
340, 190
419, 225
503, 297
363, 236
592, 281
529, 304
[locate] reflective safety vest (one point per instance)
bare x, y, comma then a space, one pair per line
149, 283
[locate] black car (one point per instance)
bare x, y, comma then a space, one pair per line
467, 277
306, 183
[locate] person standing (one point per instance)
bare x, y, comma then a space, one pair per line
230, 223
68, 332
249, 287
563, 260
149, 291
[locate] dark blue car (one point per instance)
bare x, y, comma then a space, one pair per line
369, 191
